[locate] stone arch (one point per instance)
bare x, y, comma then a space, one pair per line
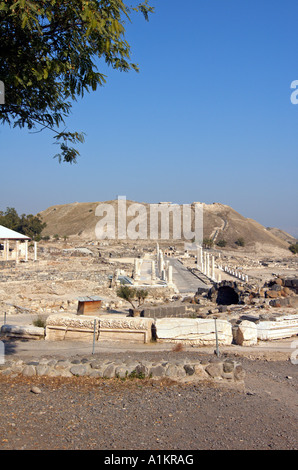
227, 295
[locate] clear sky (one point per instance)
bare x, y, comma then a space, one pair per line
208, 118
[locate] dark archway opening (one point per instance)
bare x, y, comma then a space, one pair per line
227, 296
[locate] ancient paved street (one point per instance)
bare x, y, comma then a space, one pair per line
184, 280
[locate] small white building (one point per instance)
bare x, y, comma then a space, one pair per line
13, 245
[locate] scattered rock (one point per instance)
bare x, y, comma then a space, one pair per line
29, 371
79, 370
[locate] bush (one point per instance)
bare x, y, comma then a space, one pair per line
240, 241
221, 243
208, 242
40, 322
294, 248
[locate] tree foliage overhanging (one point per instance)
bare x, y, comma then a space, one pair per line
49, 50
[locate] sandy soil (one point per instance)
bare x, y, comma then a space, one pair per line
97, 414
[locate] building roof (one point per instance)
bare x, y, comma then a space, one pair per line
89, 298
8, 234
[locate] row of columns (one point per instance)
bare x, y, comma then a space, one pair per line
165, 270
235, 273
159, 269
18, 255
206, 263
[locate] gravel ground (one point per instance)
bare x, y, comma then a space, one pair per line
96, 414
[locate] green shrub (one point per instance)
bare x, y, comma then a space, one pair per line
240, 241
294, 248
40, 322
208, 242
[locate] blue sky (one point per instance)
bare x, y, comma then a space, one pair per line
208, 118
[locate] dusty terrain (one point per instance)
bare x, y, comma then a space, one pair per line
68, 269
84, 413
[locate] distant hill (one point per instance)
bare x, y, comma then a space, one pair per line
282, 234
221, 222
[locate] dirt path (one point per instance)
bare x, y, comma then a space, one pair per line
84, 413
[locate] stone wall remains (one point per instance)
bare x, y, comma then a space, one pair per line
217, 370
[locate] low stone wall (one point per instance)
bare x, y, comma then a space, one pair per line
7, 264
165, 311
138, 329
179, 369
199, 331
56, 275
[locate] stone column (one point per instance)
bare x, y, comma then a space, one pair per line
17, 251
7, 250
26, 250
136, 275
153, 271
208, 265
199, 258
161, 263
135, 266
116, 275
212, 268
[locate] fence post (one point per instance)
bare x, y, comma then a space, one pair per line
216, 338
94, 332
2, 353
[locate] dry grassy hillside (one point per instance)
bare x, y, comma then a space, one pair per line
281, 234
78, 220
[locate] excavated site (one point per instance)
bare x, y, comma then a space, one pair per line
251, 298
208, 361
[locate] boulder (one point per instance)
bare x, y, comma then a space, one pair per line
246, 334
25, 332
272, 294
